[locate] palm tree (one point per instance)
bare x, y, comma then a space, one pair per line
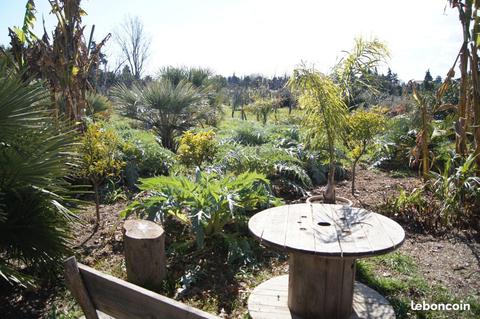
325, 114
170, 109
35, 207
325, 97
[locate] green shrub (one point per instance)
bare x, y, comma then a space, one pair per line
394, 147
416, 208
206, 203
149, 158
142, 153
446, 201
252, 134
247, 134
262, 108
283, 135
361, 129
458, 192
197, 148
283, 168
170, 109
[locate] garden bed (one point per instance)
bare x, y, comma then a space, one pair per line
417, 271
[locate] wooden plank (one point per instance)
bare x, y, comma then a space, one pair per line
101, 315
346, 287
276, 226
378, 235
332, 230
267, 313
364, 233
394, 231
333, 287
121, 299
350, 229
266, 302
326, 237
299, 233
256, 223
75, 284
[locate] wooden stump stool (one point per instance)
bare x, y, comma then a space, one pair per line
144, 245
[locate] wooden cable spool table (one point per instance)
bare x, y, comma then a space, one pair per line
323, 242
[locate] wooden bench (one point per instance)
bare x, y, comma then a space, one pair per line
99, 293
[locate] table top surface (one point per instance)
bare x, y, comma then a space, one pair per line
327, 230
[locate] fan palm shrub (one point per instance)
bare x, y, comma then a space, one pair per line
197, 76
128, 99
35, 202
168, 108
213, 95
97, 104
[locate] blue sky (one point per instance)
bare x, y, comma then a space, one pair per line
271, 36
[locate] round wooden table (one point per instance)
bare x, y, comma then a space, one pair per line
323, 242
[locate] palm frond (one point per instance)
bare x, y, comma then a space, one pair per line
359, 65
17, 103
35, 199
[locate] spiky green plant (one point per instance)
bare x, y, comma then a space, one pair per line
170, 109
127, 99
97, 104
197, 76
35, 206
458, 190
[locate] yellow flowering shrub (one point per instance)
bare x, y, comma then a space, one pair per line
197, 148
99, 153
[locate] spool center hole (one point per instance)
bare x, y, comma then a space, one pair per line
323, 224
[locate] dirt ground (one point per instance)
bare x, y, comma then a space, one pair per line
452, 260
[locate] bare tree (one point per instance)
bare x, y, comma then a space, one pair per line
134, 43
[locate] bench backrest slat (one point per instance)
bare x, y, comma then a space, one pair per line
122, 299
